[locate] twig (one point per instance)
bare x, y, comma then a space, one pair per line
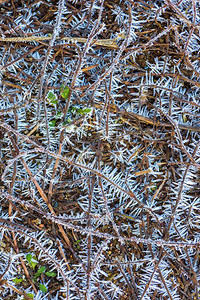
107, 43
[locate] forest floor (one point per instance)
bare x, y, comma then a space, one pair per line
100, 149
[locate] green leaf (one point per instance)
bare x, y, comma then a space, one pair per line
40, 271
30, 295
34, 264
51, 96
83, 111
64, 90
50, 274
77, 242
42, 288
52, 123
17, 280
29, 257
32, 260
54, 102
87, 110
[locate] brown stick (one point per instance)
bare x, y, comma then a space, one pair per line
142, 119
109, 43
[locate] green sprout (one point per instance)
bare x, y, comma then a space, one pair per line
17, 280
77, 243
84, 111
40, 271
52, 123
32, 260
42, 288
52, 98
64, 91
50, 274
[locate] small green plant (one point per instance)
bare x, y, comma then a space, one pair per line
77, 243
73, 110
52, 97
33, 262
17, 280
52, 100
38, 272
